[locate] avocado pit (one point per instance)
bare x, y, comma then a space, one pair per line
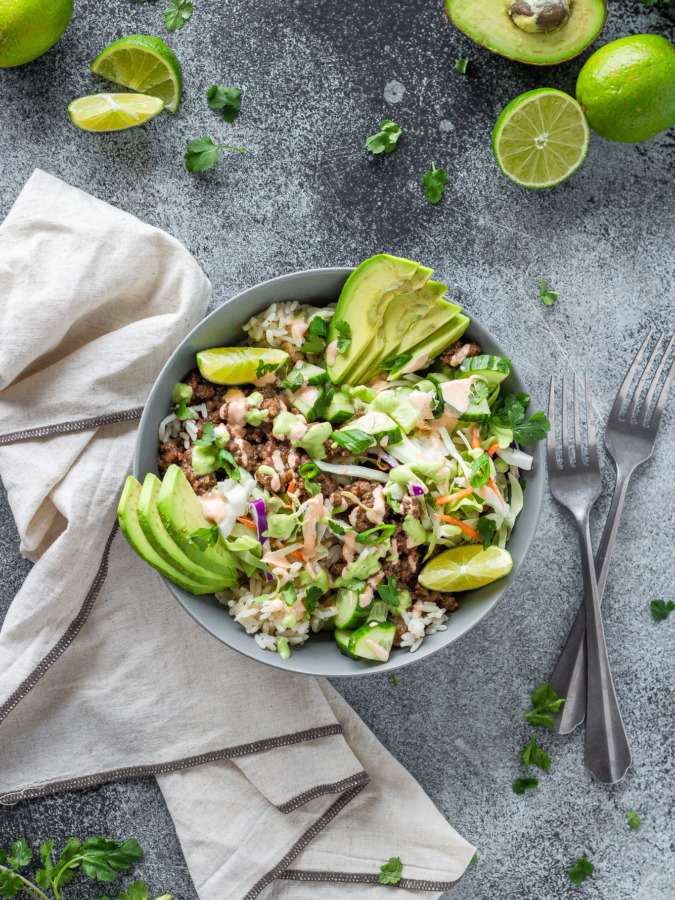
539, 16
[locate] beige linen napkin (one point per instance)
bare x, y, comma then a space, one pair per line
273, 782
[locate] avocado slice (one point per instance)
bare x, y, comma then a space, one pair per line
182, 515
363, 303
409, 318
127, 516
435, 343
538, 32
161, 541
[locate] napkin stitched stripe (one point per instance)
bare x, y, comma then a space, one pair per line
337, 787
413, 884
304, 839
187, 762
68, 427
67, 637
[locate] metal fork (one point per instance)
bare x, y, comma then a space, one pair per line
577, 486
630, 444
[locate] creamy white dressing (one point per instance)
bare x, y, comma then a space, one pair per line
417, 609
214, 506
298, 329
275, 483
314, 511
220, 429
416, 363
349, 547
367, 594
298, 609
380, 652
297, 433
234, 411
459, 357
456, 393
421, 400
242, 449
278, 463
267, 378
276, 559
307, 394
331, 353
377, 512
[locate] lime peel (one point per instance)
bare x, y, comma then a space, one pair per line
144, 64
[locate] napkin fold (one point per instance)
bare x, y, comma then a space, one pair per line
273, 783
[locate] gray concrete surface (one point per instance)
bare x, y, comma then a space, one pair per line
317, 79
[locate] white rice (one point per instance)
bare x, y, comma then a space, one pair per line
273, 326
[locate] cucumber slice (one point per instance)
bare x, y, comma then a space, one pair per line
342, 637
350, 614
477, 412
306, 374
379, 611
373, 641
492, 368
340, 409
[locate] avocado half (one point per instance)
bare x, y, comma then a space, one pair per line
537, 32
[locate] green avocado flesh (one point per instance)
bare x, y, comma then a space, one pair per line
431, 346
163, 544
488, 23
127, 514
391, 309
181, 513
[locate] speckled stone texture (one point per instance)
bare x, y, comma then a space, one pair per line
317, 79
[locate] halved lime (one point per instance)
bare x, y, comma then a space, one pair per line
144, 64
540, 138
239, 365
113, 112
465, 568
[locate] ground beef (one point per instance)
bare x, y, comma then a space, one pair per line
447, 601
201, 389
368, 493
458, 351
272, 401
404, 568
401, 629
412, 506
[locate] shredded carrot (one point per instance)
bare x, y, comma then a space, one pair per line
475, 438
248, 522
467, 529
283, 502
423, 428
378, 461
493, 485
297, 554
450, 498
291, 487
493, 449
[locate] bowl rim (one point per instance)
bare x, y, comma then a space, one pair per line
250, 648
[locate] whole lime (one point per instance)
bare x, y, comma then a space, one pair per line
627, 88
28, 28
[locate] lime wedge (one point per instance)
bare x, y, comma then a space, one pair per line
465, 568
239, 365
540, 138
113, 112
144, 64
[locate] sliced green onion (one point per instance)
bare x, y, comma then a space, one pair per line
309, 470
375, 535
289, 595
290, 621
283, 649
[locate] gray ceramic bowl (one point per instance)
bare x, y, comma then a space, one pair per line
319, 656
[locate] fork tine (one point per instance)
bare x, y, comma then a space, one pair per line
590, 428
630, 412
565, 435
578, 452
623, 390
552, 460
663, 396
655, 383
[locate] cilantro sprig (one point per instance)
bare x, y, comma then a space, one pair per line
344, 331
661, 609
544, 701
520, 785
227, 100
633, 819
385, 140
486, 529
549, 297
509, 416
391, 871
534, 755
203, 538
580, 871
176, 15
435, 181
202, 154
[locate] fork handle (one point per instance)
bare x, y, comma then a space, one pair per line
569, 676
607, 752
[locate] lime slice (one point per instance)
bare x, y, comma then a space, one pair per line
113, 112
540, 138
239, 365
144, 64
465, 568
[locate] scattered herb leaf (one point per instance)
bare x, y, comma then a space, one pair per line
486, 529
461, 66
581, 869
435, 181
661, 609
264, 368
480, 471
389, 592
176, 15
390, 872
395, 361
225, 99
208, 435
202, 154
385, 140
479, 391
344, 336
533, 755
312, 597
473, 860
229, 463
545, 701
182, 412
204, 537
633, 819
394, 679
549, 297
520, 785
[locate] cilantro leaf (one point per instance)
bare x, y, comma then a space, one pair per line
480, 471
344, 336
545, 701
389, 592
229, 463
176, 15
633, 819
225, 99
208, 435
264, 368
549, 297
520, 785
473, 860
202, 154
10, 883
535, 429
204, 537
661, 609
135, 891
182, 411
354, 440
435, 181
479, 391
385, 140
375, 535
338, 527
318, 327
533, 755
395, 361
312, 597
103, 859
390, 872
581, 869
486, 529
20, 855
461, 66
